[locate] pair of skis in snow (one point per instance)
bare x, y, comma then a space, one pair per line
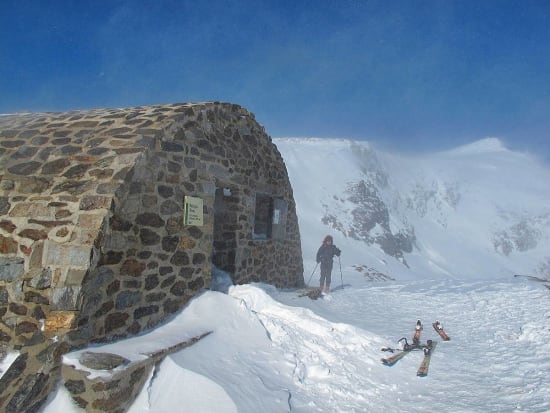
427, 348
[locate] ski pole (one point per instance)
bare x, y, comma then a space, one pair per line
311, 276
341, 276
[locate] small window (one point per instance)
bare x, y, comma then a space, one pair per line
262, 217
270, 218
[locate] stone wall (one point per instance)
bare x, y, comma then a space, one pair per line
92, 241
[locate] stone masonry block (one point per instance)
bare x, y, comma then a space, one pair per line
66, 255
59, 320
34, 210
65, 298
75, 276
11, 268
91, 221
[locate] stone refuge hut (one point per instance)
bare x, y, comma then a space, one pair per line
112, 219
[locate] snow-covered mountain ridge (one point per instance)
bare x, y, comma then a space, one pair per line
477, 210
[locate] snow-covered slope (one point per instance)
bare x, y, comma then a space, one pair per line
476, 211
273, 351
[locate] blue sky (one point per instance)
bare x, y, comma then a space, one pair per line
410, 75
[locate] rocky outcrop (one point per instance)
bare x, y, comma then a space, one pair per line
522, 235
370, 221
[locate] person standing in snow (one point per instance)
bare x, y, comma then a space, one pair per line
325, 254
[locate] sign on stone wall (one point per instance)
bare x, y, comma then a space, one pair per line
192, 211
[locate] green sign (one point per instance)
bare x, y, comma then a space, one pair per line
192, 211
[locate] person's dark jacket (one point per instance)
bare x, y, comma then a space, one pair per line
326, 253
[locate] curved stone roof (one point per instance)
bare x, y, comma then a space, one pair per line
82, 154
